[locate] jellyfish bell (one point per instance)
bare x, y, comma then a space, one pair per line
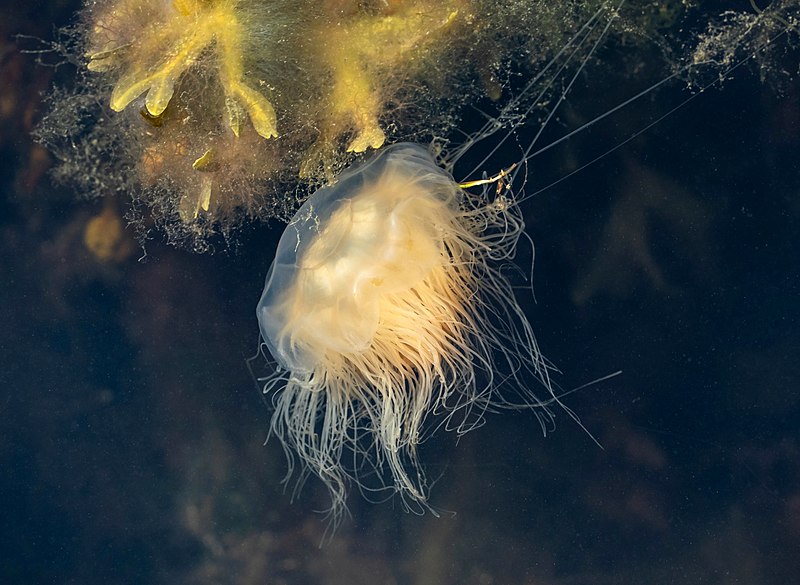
386, 303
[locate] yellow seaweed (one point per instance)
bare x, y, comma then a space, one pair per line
192, 30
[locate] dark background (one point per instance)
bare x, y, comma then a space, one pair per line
131, 431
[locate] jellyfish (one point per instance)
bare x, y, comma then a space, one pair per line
388, 308
386, 304
390, 315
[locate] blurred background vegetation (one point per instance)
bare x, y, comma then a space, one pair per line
132, 431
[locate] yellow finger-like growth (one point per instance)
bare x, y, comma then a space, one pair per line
192, 31
262, 114
160, 84
362, 54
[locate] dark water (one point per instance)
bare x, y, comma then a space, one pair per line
131, 442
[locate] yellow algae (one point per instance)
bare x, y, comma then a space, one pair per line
177, 44
288, 93
361, 52
204, 162
324, 81
200, 73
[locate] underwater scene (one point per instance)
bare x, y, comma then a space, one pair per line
400, 292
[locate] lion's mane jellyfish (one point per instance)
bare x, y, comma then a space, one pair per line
385, 303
